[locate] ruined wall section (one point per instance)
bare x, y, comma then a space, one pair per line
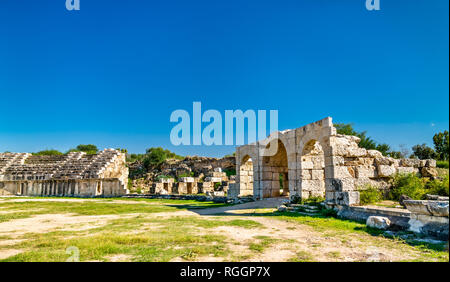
352, 169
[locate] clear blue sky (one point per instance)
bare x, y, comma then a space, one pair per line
112, 73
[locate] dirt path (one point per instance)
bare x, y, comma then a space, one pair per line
243, 208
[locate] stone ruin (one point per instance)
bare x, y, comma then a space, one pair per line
190, 176
213, 182
314, 160
74, 174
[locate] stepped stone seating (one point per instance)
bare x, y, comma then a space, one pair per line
104, 173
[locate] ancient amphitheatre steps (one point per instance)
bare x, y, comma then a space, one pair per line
75, 165
9, 159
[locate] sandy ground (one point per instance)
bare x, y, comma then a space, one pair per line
291, 238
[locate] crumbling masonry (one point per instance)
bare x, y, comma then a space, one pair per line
314, 160
74, 174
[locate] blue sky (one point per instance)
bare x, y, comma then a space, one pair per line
112, 73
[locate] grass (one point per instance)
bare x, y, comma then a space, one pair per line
142, 238
302, 256
262, 243
335, 227
98, 207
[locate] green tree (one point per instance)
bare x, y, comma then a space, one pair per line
366, 142
88, 149
441, 145
423, 152
155, 156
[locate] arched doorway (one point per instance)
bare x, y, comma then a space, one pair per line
312, 170
275, 177
246, 176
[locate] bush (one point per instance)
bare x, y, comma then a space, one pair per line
154, 157
190, 174
407, 184
48, 153
315, 201
438, 186
230, 171
370, 195
442, 164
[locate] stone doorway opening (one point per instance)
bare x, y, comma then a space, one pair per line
275, 179
189, 187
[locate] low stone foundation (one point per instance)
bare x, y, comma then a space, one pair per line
429, 217
399, 218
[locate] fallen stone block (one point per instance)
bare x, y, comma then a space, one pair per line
378, 222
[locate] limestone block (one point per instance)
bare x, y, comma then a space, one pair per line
374, 154
378, 222
275, 176
384, 161
187, 179
267, 175
275, 184
311, 185
410, 162
402, 169
329, 197
366, 172
218, 179
385, 170
307, 165
431, 163
349, 198
339, 172
334, 160
426, 207
317, 174
306, 174
429, 172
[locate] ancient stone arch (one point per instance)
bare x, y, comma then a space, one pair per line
316, 161
312, 160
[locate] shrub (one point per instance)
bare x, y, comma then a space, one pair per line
48, 153
438, 186
442, 164
190, 174
370, 195
329, 212
230, 171
407, 184
154, 157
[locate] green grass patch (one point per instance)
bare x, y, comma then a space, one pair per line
302, 256
98, 207
262, 243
